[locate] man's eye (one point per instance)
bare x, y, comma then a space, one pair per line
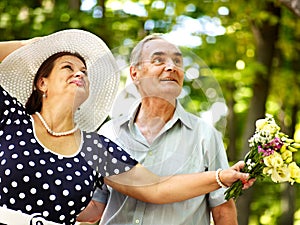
158, 60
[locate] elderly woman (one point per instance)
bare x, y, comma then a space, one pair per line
54, 93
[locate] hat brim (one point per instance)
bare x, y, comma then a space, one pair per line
17, 72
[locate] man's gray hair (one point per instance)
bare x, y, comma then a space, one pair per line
136, 53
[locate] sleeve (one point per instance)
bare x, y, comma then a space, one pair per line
117, 159
10, 107
105, 156
101, 195
217, 158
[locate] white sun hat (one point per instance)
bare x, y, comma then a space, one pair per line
17, 71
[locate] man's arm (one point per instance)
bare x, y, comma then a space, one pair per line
225, 214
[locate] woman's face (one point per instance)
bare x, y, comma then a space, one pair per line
67, 80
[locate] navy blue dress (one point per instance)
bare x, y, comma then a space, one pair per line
34, 179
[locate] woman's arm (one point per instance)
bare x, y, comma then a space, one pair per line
143, 185
7, 47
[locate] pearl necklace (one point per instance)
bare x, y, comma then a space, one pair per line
57, 134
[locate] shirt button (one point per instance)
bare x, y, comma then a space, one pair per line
150, 153
137, 221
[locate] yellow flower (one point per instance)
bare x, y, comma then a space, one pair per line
281, 174
275, 160
294, 171
287, 156
261, 123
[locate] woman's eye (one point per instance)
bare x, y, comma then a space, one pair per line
67, 67
84, 72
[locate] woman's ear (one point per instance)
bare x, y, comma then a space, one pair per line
42, 84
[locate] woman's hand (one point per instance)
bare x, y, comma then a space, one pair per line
229, 176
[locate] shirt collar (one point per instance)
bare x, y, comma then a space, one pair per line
179, 114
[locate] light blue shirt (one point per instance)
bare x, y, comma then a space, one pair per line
186, 144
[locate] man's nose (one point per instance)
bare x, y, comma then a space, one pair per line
170, 66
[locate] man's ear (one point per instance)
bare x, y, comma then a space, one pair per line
133, 72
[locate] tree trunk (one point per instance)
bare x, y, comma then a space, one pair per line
266, 36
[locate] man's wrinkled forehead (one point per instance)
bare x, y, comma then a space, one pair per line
160, 47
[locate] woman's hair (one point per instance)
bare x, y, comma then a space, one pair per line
34, 102
136, 53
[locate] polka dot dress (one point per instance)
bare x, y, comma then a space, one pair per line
34, 179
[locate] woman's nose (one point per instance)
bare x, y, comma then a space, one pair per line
79, 74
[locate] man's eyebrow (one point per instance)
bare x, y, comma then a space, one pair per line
163, 53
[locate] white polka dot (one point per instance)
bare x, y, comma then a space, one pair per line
116, 171
33, 191
60, 169
29, 131
31, 163
14, 184
26, 153
22, 143
38, 175
52, 197
45, 186
52, 160
111, 149
62, 217
89, 149
37, 152
39, 202
5, 190
8, 137
95, 157
7, 172
28, 208
11, 147
124, 158
3, 161
20, 166
26, 179
71, 203
69, 165
65, 192
19, 133
21, 195
57, 207
12, 201
86, 182
72, 212
76, 160
68, 177
45, 213
84, 168
49, 172
77, 173
58, 182
83, 199
114, 160
105, 153
42, 162
14, 156
77, 187
127, 168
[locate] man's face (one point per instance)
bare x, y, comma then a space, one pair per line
160, 72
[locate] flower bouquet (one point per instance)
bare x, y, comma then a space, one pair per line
271, 154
